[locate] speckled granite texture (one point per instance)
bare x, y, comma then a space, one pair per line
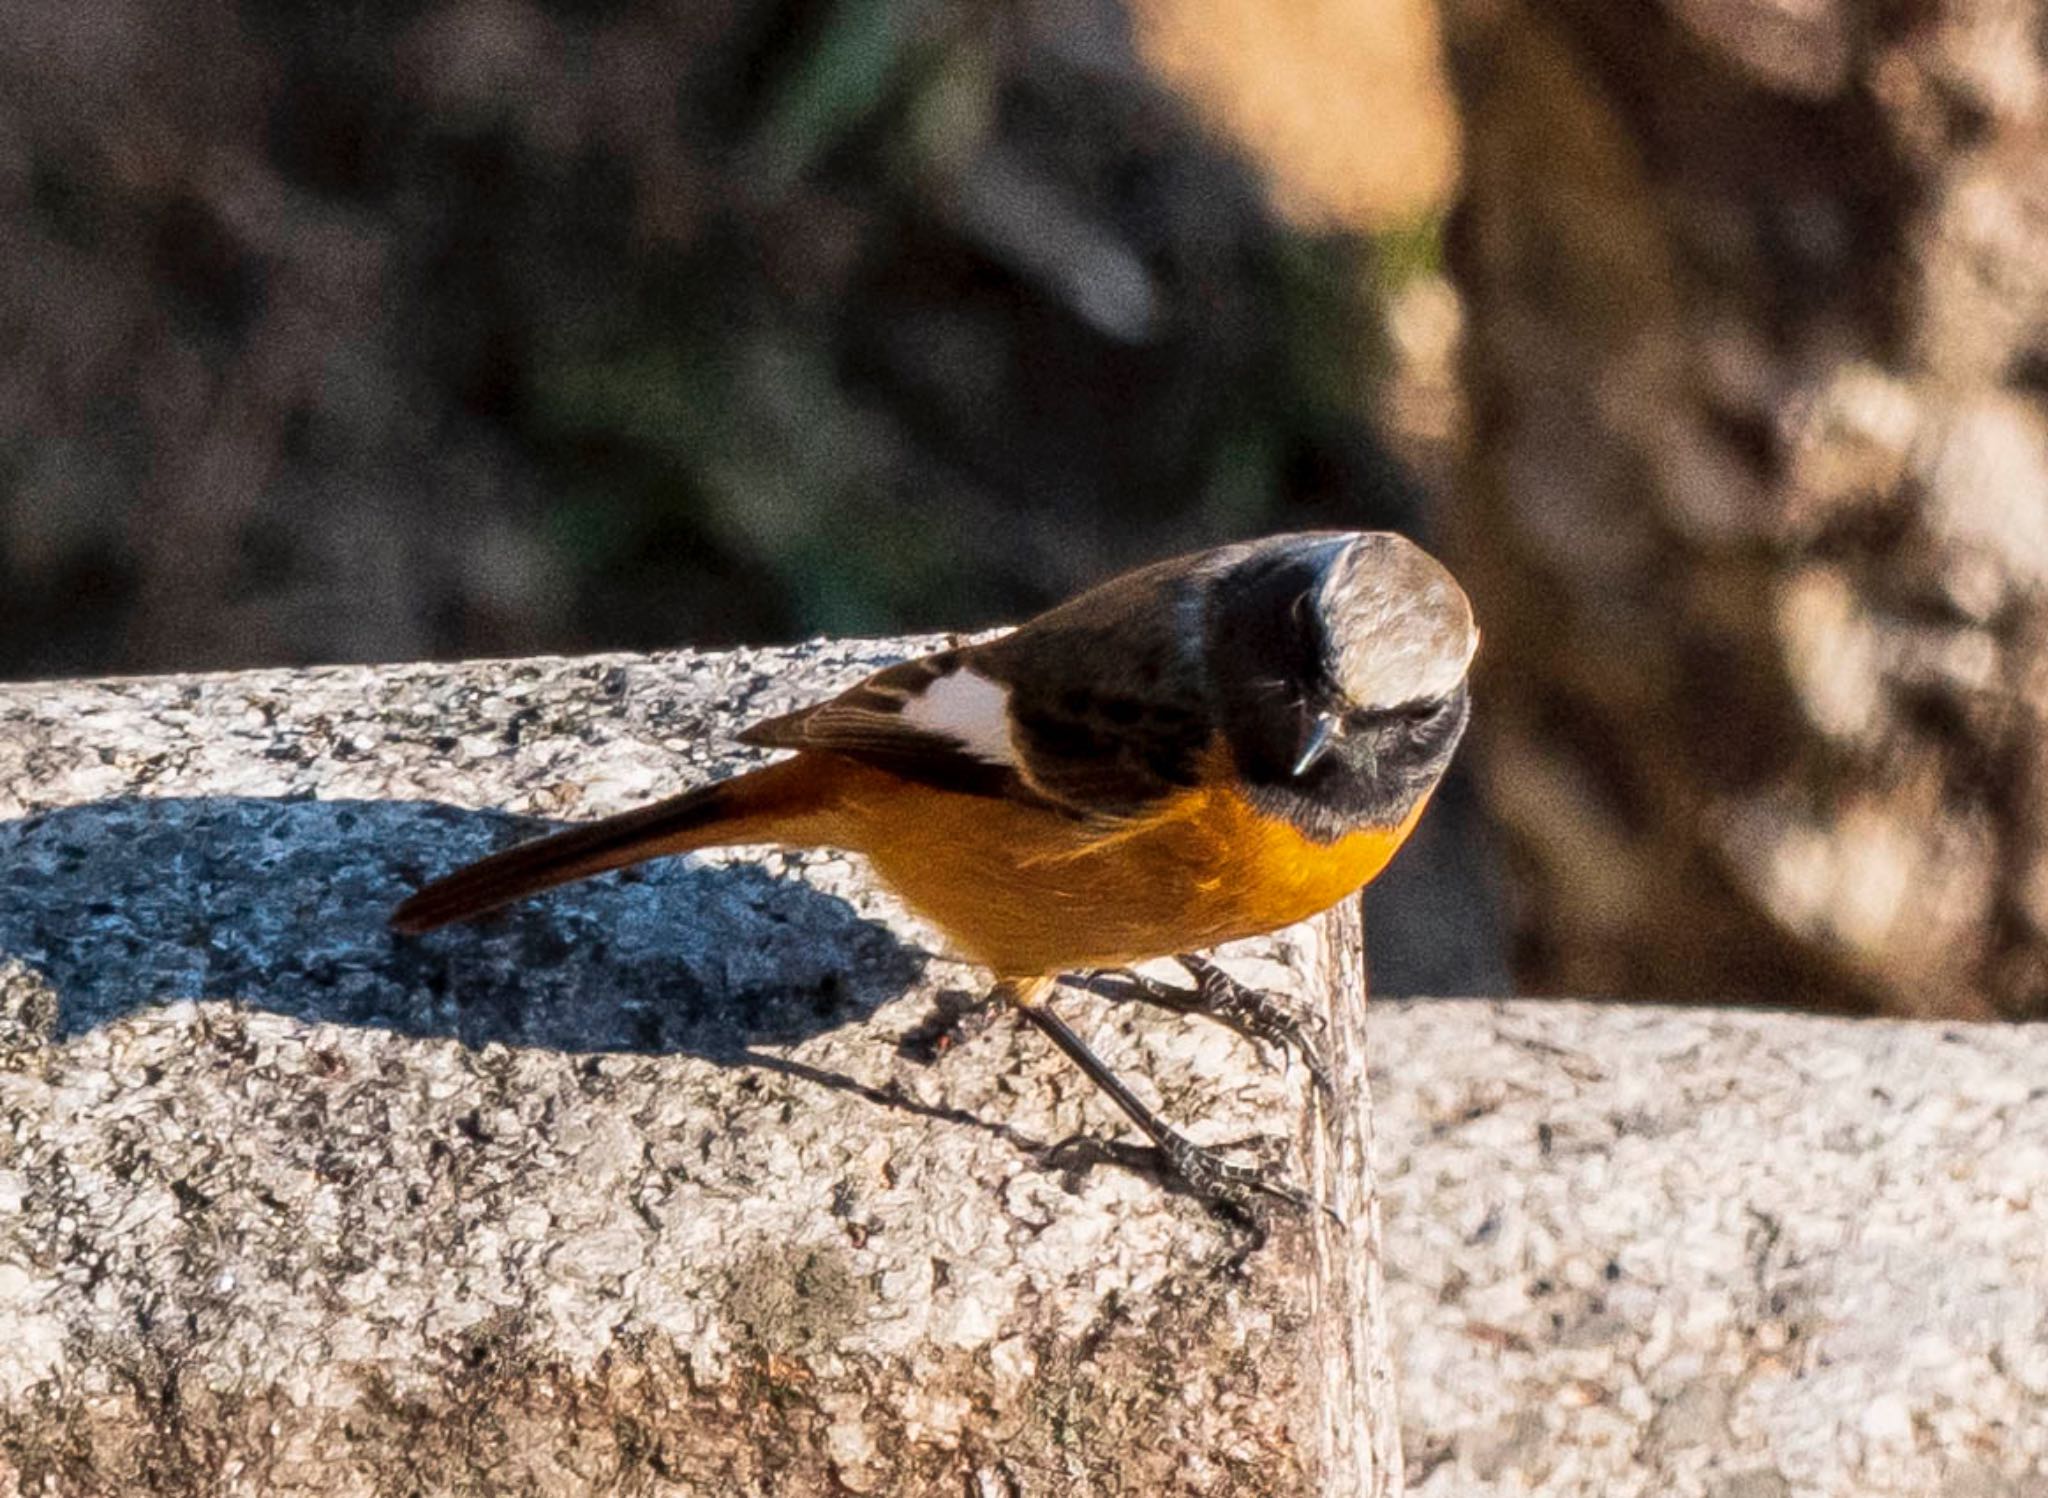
601, 1199
1658, 1253
653, 1185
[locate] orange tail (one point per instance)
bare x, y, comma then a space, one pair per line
776, 804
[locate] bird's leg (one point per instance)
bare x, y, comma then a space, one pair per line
1256, 1015
1203, 1169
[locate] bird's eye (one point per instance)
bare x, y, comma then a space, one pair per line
1419, 714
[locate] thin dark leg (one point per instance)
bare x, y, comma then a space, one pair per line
1257, 1016
1203, 1169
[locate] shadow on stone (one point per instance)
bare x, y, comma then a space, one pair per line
281, 903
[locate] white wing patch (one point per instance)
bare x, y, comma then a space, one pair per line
968, 708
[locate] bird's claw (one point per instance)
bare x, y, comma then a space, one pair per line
1261, 1018
1230, 1184
1257, 1016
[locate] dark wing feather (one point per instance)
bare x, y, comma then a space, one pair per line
1109, 711
1109, 699
867, 715
866, 722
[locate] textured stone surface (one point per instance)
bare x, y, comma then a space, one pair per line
652, 1185
1689, 1254
601, 1199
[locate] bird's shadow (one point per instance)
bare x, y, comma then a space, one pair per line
281, 904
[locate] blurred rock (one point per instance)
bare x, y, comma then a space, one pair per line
1342, 102
1756, 509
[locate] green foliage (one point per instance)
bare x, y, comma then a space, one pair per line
1408, 252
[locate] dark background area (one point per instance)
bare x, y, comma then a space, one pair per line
373, 332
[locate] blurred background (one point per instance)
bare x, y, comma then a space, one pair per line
1706, 339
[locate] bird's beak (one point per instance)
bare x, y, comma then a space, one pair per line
1315, 742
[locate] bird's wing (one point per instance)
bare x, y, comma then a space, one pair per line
933, 719
1098, 708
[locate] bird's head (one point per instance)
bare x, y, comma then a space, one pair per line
1339, 660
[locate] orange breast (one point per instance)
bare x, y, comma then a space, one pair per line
1028, 892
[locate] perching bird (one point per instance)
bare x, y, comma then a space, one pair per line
1204, 749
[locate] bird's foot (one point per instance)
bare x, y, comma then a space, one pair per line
1226, 1183
1241, 1193
1256, 1015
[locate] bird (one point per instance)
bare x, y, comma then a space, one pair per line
1210, 747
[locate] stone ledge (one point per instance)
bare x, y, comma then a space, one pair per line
652, 1185
1693, 1253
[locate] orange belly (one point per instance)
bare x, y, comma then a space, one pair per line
1029, 893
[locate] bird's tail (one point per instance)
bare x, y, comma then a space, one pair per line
777, 804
